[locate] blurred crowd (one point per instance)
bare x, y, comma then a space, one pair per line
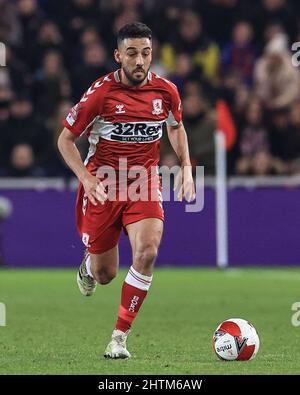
235, 50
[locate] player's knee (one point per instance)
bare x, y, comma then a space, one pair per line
146, 255
104, 277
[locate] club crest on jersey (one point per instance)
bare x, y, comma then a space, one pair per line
157, 107
120, 109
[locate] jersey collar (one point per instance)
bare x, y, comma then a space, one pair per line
117, 77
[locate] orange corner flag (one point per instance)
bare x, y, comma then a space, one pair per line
225, 123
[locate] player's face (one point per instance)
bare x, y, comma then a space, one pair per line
135, 55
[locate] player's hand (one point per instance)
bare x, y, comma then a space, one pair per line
184, 183
94, 189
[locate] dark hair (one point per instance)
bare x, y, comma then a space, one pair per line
134, 30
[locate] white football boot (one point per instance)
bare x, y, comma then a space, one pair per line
86, 284
117, 346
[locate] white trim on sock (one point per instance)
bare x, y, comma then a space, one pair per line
88, 266
142, 276
138, 280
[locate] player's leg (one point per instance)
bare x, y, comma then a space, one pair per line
100, 228
97, 268
104, 267
145, 236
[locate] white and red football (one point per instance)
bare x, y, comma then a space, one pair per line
236, 340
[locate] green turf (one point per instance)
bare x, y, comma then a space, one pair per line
52, 329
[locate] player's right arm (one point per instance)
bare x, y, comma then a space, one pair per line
79, 120
92, 185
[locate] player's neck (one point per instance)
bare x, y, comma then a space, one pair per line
124, 80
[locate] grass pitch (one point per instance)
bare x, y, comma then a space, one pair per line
52, 329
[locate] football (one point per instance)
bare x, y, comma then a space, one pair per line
236, 340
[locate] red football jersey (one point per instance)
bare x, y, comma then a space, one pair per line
125, 122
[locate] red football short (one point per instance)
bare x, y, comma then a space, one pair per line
100, 226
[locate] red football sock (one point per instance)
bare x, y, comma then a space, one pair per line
134, 291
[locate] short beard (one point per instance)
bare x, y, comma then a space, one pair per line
133, 80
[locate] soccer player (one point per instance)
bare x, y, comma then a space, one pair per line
123, 114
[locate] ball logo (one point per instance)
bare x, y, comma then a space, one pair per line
240, 343
224, 348
219, 334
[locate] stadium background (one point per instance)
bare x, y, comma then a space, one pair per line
238, 51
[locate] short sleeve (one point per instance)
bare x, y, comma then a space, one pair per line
82, 115
175, 112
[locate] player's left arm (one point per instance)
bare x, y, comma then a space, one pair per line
184, 180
